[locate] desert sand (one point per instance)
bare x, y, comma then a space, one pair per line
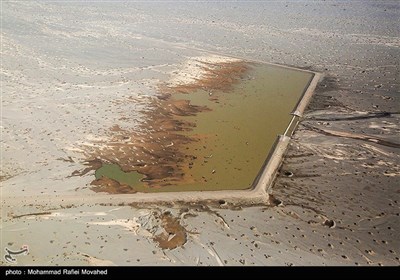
71, 71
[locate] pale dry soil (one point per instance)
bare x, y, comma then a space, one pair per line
336, 198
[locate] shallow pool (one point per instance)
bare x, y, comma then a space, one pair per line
234, 135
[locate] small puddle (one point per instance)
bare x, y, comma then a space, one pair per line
114, 172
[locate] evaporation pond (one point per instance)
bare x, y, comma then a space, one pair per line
237, 132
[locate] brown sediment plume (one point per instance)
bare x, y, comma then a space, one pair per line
217, 77
158, 150
174, 234
108, 185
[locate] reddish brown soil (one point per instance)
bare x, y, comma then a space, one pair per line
108, 185
174, 234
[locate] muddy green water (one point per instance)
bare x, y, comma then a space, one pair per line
113, 171
238, 132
